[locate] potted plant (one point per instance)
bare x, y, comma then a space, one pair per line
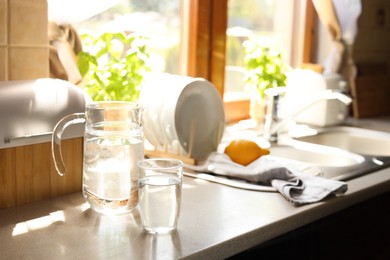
113, 67
265, 68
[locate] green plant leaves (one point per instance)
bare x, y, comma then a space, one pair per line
265, 67
114, 66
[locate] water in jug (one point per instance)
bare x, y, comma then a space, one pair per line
113, 144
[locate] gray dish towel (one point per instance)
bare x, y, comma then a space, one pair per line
297, 187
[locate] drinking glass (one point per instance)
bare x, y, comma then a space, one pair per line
160, 188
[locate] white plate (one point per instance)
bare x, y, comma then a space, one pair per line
199, 119
183, 115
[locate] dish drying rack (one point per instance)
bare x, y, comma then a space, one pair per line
176, 150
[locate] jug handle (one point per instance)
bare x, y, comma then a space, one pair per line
66, 121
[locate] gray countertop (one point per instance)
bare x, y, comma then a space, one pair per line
216, 222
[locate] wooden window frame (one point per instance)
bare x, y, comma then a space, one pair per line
203, 49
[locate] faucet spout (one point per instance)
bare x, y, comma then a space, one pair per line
274, 123
323, 95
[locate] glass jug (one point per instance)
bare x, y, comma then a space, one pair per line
113, 144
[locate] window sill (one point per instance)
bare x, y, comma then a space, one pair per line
236, 106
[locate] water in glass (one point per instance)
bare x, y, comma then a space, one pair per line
159, 200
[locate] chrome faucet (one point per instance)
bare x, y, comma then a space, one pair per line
275, 124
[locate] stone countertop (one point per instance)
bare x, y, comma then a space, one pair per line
216, 222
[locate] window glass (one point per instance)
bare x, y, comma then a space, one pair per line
159, 20
269, 19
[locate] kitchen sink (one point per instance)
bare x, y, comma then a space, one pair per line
331, 162
340, 152
353, 139
317, 155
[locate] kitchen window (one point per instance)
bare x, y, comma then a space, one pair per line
212, 24
202, 38
159, 20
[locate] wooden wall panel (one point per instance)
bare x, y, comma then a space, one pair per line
371, 96
7, 178
371, 53
72, 180
27, 173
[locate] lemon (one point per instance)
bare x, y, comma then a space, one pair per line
244, 152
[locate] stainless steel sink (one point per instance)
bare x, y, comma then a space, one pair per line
356, 140
340, 152
318, 156
332, 162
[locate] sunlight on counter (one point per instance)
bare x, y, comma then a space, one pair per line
38, 223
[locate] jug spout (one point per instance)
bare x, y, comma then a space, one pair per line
71, 119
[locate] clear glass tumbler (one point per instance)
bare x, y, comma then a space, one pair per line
160, 189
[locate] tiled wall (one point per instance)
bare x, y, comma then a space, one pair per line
24, 51
3, 38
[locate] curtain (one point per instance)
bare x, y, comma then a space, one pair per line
339, 17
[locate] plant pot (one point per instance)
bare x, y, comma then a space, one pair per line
257, 107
